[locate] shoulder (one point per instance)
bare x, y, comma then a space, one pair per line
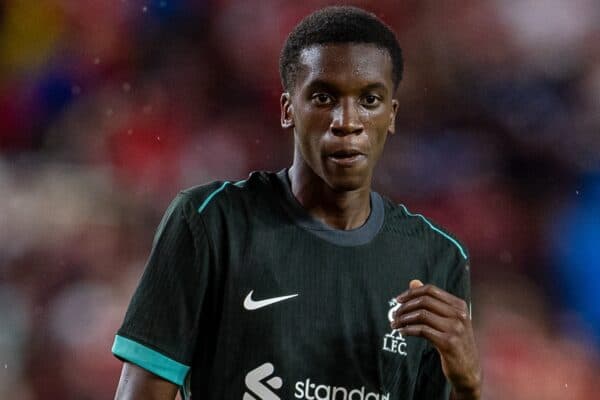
224, 205
411, 223
202, 199
210, 206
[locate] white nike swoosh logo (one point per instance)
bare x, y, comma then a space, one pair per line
250, 304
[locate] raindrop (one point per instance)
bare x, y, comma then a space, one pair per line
144, 9
97, 60
75, 89
126, 87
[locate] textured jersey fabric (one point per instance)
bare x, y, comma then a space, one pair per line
246, 296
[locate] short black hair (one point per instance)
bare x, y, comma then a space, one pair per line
338, 24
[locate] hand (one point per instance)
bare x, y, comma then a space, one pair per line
443, 319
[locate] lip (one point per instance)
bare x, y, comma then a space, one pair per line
347, 161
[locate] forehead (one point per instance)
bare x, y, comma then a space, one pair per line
347, 64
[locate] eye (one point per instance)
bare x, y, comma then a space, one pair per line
370, 100
322, 99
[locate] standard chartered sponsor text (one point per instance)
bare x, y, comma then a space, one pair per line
311, 391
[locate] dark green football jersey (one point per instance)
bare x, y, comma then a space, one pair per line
246, 296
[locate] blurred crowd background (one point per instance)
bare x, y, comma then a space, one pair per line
108, 108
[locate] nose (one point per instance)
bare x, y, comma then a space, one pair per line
346, 119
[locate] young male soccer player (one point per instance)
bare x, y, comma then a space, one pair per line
290, 285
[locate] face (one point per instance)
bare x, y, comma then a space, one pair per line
341, 110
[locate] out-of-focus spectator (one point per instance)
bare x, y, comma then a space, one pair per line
107, 109
575, 239
525, 356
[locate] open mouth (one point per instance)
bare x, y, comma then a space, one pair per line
346, 158
345, 154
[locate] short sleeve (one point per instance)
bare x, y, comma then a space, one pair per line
459, 282
160, 329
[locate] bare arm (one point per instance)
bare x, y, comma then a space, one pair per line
137, 383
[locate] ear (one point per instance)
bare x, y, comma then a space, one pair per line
287, 112
392, 126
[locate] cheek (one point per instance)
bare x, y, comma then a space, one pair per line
310, 128
379, 119
378, 124
381, 138
312, 149
308, 141
315, 121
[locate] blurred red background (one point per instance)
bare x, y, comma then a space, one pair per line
107, 109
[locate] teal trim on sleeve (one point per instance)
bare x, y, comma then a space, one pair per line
150, 360
444, 234
210, 196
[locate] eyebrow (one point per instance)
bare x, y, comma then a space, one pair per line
375, 86
326, 85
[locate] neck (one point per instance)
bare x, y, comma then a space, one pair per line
338, 209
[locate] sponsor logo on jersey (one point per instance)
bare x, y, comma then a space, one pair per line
259, 389
394, 342
308, 390
250, 304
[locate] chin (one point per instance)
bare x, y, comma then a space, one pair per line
346, 183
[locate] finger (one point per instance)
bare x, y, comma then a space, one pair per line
436, 337
424, 317
436, 292
427, 303
415, 283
